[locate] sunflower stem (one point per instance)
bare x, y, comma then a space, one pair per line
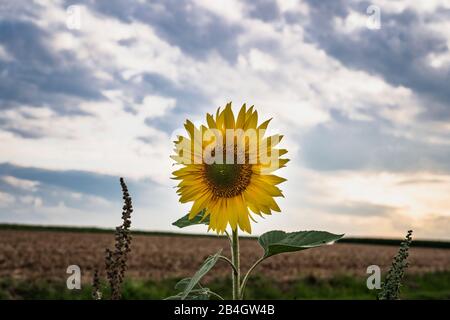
247, 275
235, 260
229, 262
229, 238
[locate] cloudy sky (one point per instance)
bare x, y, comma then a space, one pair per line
97, 91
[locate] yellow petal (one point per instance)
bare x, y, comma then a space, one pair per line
264, 125
220, 118
210, 121
198, 205
233, 212
252, 121
244, 221
249, 113
241, 117
266, 187
273, 179
229, 117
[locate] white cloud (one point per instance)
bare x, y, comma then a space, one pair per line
277, 69
4, 55
419, 6
293, 6
24, 184
354, 21
106, 142
261, 61
230, 9
320, 201
32, 201
413, 194
6, 199
102, 50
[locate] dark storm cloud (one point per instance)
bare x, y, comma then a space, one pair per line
24, 133
188, 98
186, 92
346, 144
77, 181
194, 30
37, 75
397, 51
327, 9
265, 10
53, 182
19, 9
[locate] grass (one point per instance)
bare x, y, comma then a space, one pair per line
427, 286
373, 241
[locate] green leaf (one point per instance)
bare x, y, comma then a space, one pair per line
197, 294
185, 222
177, 297
276, 242
182, 284
204, 295
206, 266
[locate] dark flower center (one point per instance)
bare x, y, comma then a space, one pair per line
227, 180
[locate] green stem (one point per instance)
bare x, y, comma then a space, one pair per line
235, 261
229, 238
215, 295
247, 275
229, 262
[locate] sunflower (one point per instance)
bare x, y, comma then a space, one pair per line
227, 169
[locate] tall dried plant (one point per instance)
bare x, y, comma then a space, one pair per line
116, 259
96, 291
390, 288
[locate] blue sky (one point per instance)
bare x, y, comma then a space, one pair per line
365, 112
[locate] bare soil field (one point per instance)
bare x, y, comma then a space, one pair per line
45, 255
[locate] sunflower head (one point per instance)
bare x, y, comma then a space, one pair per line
227, 168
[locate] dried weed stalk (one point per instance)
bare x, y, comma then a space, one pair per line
116, 260
390, 288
